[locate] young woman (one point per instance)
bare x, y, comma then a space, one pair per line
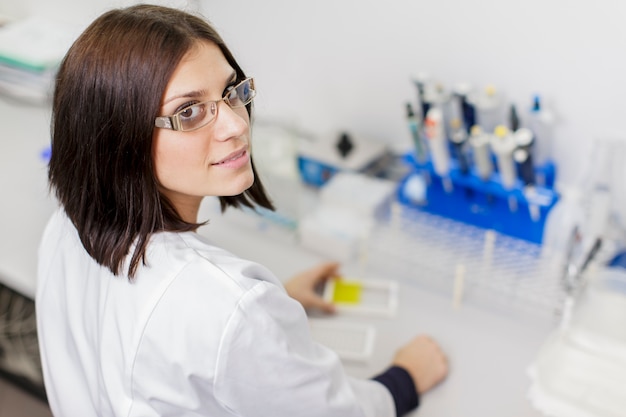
137, 314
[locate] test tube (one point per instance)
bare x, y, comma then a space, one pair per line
514, 123
524, 139
481, 150
599, 210
503, 145
489, 246
414, 126
530, 193
435, 95
489, 113
540, 122
463, 91
458, 137
458, 286
440, 153
421, 80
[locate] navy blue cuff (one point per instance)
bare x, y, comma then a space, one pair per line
402, 388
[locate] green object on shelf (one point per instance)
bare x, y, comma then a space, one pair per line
36, 43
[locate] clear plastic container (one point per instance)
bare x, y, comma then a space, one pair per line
598, 318
581, 370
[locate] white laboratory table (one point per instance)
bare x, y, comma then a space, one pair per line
489, 352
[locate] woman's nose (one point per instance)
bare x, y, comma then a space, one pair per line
231, 122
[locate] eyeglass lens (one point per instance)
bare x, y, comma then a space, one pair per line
201, 114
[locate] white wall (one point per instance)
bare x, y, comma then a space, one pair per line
329, 65
76, 10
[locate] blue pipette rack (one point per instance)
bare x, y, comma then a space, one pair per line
519, 212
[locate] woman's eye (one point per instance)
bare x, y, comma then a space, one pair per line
244, 92
230, 93
192, 112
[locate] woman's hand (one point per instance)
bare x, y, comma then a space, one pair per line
424, 361
302, 286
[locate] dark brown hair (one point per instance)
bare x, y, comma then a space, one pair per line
107, 95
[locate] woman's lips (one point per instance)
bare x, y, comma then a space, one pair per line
234, 160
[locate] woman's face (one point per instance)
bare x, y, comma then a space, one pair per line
215, 159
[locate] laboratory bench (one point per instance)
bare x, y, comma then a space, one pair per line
491, 332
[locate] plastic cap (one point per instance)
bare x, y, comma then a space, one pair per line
409, 110
434, 115
520, 155
523, 136
490, 90
476, 130
501, 131
463, 89
536, 103
421, 77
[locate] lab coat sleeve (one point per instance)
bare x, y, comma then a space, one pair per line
268, 365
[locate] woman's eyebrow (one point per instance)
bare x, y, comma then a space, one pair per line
200, 93
190, 94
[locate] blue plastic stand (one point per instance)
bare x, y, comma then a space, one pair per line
519, 212
314, 172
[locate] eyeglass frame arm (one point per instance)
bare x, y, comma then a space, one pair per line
166, 122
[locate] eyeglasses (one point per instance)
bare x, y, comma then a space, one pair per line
201, 114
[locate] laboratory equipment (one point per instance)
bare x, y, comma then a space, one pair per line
503, 146
30, 51
421, 81
481, 150
541, 123
414, 127
462, 92
350, 341
321, 158
438, 144
581, 369
435, 95
482, 202
348, 206
522, 155
489, 108
364, 297
458, 138
514, 122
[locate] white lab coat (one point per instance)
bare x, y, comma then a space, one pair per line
199, 332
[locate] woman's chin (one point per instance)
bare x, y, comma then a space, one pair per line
239, 188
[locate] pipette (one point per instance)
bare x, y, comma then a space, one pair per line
468, 112
489, 112
414, 126
503, 145
458, 286
540, 122
513, 118
458, 137
421, 80
525, 139
481, 150
440, 154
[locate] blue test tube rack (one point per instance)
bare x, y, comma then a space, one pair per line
485, 203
